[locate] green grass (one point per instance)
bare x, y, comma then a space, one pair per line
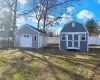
50, 65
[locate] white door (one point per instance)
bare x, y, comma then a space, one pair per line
26, 40
73, 41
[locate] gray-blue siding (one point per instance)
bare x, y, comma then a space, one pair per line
78, 28
83, 44
26, 30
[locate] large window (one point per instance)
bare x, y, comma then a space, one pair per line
63, 37
83, 37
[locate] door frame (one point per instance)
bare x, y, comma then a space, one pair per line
22, 36
73, 41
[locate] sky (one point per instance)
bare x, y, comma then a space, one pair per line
88, 9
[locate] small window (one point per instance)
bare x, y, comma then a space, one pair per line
73, 24
63, 37
27, 35
24, 35
35, 38
83, 37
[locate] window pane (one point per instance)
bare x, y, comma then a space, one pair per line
63, 38
75, 36
69, 43
82, 38
83, 35
63, 34
69, 37
34, 38
75, 43
24, 35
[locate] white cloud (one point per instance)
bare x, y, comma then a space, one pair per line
70, 9
50, 18
33, 18
36, 21
98, 1
85, 14
65, 18
21, 19
18, 26
58, 31
22, 1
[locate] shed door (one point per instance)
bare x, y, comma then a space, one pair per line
73, 41
26, 40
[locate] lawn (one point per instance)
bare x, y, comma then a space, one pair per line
18, 64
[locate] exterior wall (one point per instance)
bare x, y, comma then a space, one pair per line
83, 44
44, 41
78, 28
26, 30
63, 44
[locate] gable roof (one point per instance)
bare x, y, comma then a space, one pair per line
79, 27
36, 29
40, 31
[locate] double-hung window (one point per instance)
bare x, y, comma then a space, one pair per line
63, 37
83, 37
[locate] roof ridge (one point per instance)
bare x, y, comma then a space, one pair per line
35, 28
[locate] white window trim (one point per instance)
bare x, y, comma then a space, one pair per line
34, 38
81, 36
74, 40
62, 36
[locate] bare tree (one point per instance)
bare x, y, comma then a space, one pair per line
49, 7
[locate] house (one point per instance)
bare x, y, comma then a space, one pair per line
50, 34
29, 37
74, 35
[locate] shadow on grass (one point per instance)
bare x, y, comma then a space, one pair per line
73, 75
26, 70
20, 67
52, 67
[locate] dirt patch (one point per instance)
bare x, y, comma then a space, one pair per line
96, 75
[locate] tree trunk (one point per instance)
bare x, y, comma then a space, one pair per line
44, 23
14, 21
45, 16
38, 24
8, 39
